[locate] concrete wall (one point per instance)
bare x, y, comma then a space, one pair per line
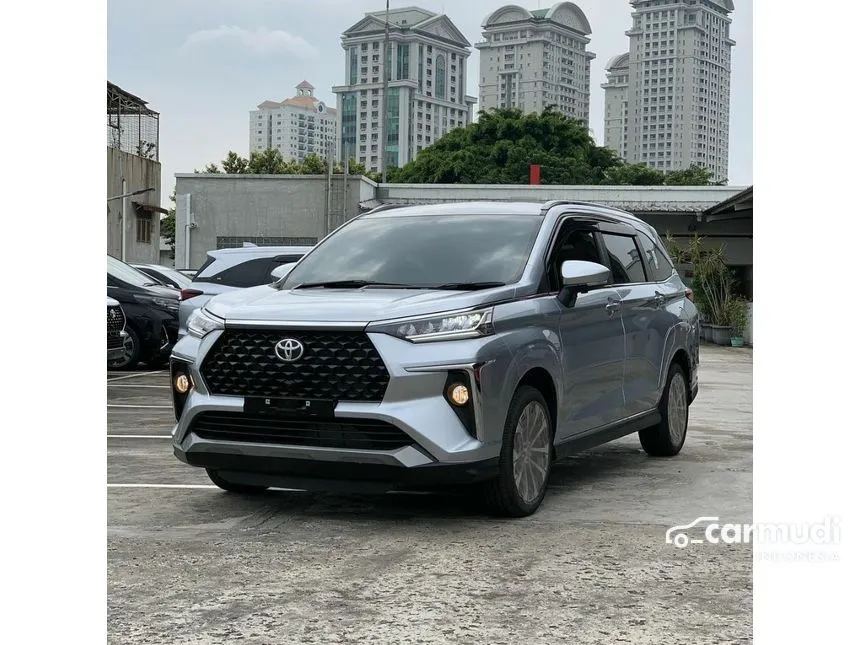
261, 206
139, 173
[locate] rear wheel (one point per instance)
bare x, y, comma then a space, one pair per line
524, 462
667, 437
231, 487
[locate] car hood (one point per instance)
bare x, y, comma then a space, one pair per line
266, 304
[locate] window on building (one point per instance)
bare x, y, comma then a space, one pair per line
144, 228
440, 76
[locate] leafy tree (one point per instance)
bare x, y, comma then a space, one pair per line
500, 147
168, 225
233, 164
634, 175
692, 176
267, 162
313, 164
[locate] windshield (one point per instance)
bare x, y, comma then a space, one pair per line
128, 274
423, 251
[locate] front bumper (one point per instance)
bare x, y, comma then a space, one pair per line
442, 448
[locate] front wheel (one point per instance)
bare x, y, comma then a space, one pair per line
231, 487
524, 462
667, 437
130, 352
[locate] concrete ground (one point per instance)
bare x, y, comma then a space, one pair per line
189, 564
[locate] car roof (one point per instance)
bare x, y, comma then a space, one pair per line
456, 208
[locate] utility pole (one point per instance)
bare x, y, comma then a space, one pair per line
384, 129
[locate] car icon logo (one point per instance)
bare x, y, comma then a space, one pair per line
289, 350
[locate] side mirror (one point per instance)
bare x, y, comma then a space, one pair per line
282, 270
578, 276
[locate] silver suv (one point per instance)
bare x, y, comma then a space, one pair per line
442, 344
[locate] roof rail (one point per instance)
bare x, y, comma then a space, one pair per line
565, 202
385, 207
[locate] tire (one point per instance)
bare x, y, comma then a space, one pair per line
131, 353
520, 486
667, 437
230, 487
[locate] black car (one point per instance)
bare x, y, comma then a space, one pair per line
151, 312
165, 275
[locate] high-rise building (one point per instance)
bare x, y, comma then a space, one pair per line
426, 92
297, 127
616, 90
535, 59
678, 75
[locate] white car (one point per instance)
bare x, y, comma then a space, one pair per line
229, 269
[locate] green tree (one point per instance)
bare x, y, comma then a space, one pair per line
692, 176
268, 162
313, 164
168, 225
233, 164
634, 175
502, 144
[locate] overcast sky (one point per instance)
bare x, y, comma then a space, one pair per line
203, 64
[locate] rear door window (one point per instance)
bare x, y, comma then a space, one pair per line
627, 266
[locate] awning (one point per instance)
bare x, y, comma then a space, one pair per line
150, 208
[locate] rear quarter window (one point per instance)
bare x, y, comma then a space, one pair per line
250, 273
659, 265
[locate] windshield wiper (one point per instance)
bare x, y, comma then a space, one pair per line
467, 286
353, 284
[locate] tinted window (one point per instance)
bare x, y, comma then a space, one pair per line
251, 273
661, 268
423, 250
625, 259
127, 274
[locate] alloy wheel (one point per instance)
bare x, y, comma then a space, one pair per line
531, 452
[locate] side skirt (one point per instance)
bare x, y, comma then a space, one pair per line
606, 434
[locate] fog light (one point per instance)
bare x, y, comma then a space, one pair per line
182, 383
458, 394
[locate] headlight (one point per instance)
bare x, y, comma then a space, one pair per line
201, 323
454, 326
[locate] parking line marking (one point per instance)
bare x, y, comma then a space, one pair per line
161, 387
140, 436
123, 405
120, 378
161, 486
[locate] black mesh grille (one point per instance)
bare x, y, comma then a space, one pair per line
335, 365
355, 434
115, 324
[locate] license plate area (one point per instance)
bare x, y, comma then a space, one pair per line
283, 408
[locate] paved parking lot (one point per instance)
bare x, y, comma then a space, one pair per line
189, 564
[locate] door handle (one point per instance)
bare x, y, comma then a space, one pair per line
613, 307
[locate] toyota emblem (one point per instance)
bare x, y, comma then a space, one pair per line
289, 350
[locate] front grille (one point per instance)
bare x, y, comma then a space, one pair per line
335, 365
115, 324
355, 434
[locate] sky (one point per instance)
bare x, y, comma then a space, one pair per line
205, 64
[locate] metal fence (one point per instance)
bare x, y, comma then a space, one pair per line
223, 242
131, 126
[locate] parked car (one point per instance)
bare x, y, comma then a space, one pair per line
165, 275
151, 312
442, 344
229, 269
115, 330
